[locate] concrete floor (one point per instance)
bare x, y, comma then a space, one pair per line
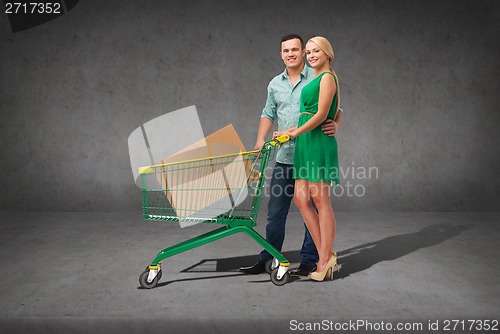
78, 273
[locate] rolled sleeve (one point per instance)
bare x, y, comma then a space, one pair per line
270, 109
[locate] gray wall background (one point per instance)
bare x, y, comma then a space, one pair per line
419, 81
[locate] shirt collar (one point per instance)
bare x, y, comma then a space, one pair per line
303, 73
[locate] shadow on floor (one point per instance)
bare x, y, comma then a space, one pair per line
233, 263
362, 257
351, 260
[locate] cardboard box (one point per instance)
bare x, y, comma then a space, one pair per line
207, 178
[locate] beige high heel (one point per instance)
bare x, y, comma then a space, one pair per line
335, 266
327, 272
321, 275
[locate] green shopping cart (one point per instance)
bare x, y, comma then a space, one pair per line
225, 189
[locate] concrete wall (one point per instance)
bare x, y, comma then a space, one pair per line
419, 82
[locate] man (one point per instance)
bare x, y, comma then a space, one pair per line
283, 105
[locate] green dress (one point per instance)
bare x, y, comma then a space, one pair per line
316, 156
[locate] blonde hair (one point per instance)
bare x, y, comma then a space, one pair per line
324, 45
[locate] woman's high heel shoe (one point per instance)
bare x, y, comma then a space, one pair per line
327, 272
329, 275
321, 275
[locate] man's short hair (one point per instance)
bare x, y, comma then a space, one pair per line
292, 36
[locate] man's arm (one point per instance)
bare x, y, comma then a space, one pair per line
265, 126
269, 114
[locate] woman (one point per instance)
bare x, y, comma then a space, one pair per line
316, 157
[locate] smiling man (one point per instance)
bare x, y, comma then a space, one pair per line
283, 106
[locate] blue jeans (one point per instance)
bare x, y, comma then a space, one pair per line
281, 194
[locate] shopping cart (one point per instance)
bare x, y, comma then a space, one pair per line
224, 189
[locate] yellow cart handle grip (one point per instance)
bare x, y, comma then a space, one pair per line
279, 140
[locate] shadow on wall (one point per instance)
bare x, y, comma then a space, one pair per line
352, 260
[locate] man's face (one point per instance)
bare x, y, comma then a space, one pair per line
292, 53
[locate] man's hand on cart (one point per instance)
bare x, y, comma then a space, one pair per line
258, 146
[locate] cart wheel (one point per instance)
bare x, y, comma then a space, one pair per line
275, 280
159, 275
269, 266
143, 279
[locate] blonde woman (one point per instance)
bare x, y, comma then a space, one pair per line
316, 159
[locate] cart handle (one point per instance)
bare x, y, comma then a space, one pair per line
279, 140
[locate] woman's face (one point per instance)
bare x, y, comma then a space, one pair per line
315, 56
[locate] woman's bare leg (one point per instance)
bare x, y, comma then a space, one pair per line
302, 200
320, 193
